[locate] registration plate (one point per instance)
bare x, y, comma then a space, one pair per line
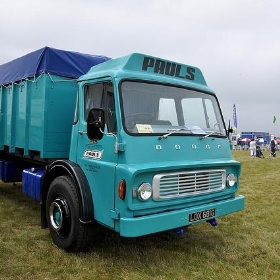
201, 215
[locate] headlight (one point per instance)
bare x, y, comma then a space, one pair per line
231, 180
144, 191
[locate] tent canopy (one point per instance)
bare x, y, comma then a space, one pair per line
48, 60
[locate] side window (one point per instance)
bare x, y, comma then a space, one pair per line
101, 96
94, 98
111, 111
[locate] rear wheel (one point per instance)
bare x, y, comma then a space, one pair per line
63, 209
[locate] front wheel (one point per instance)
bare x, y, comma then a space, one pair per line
62, 208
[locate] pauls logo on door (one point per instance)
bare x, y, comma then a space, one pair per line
93, 154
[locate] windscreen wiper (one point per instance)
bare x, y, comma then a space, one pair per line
211, 133
172, 131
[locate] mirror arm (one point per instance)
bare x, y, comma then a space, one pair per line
116, 149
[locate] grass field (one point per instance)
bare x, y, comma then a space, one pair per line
245, 245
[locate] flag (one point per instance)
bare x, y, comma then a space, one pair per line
274, 119
234, 117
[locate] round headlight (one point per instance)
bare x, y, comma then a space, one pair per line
231, 180
144, 191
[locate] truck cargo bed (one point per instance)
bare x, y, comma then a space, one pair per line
37, 101
36, 117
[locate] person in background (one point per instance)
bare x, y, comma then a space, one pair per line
253, 147
273, 147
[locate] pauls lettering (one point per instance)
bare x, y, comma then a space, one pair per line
159, 66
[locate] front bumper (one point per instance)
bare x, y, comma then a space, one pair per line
133, 227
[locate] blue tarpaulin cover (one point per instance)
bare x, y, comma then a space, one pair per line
48, 60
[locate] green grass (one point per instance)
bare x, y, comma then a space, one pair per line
245, 245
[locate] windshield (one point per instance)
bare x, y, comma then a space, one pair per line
161, 109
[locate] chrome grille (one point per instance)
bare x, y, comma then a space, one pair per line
174, 185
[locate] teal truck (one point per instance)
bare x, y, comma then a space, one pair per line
137, 144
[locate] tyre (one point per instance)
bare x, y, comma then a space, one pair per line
63, 212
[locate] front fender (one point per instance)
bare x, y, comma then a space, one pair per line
68, 168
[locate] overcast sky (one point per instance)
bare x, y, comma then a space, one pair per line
236, 43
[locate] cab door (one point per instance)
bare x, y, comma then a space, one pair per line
98, 159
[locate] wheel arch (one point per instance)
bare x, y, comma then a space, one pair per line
71, 169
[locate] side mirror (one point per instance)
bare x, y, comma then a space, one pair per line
95, 124
229, 131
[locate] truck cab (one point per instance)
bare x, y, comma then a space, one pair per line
150, 137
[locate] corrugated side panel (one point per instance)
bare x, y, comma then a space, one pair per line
36, 116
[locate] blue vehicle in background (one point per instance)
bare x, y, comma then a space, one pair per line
137, 144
